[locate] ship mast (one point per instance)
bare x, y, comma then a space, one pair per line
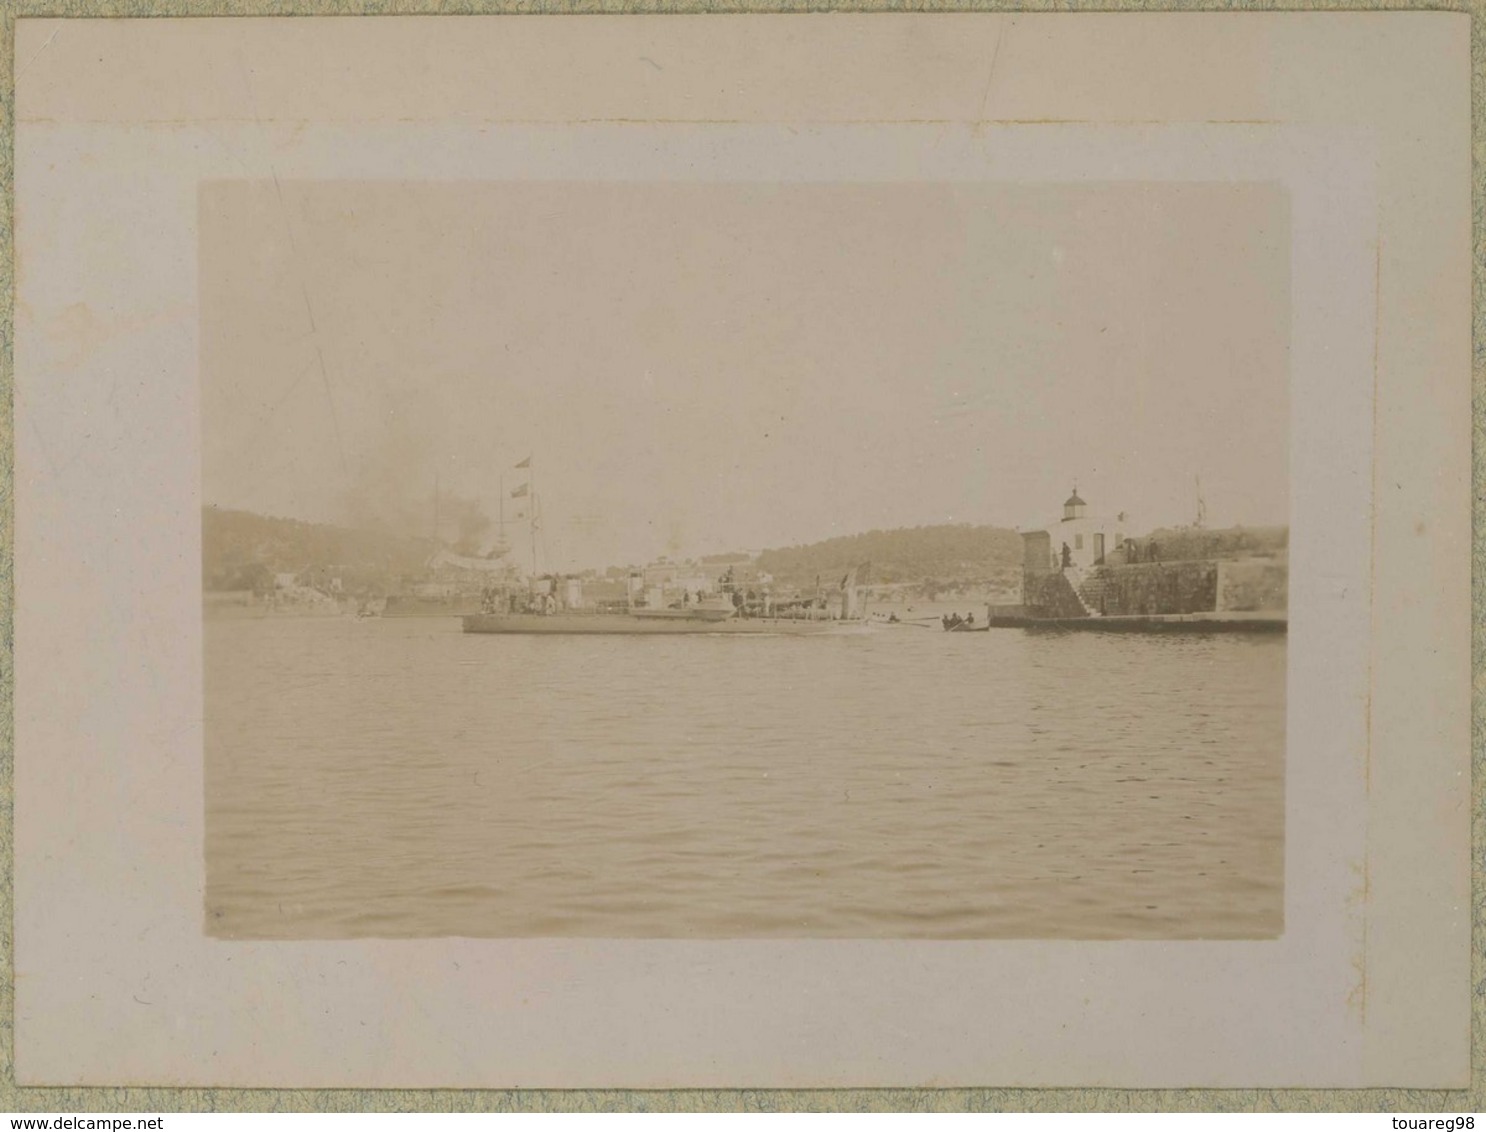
532, 488
528, 492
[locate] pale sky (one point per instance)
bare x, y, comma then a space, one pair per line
705, 367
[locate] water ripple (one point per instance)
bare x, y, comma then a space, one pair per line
399, 779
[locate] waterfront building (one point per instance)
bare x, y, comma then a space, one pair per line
1089, 538
661, 572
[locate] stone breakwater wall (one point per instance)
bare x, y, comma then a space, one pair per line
1254, 585
1154, 587
1148, 589
1051, 594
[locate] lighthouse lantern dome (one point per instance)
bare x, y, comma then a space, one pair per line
1073, 508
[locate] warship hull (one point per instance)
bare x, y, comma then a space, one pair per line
631, 625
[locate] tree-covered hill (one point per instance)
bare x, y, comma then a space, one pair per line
937, 558
242, 551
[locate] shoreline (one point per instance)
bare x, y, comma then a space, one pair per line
1154, 623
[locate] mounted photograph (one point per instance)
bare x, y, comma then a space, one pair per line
874, 550
735, 560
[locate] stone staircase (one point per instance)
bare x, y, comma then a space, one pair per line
1089, 585
1051, 594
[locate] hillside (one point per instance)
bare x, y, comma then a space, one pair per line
928, 560
242, 551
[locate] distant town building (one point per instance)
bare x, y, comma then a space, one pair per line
665, 581
661, 572
572, 593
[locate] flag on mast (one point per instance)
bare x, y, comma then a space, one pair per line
525, 463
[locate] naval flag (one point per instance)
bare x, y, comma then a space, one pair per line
521, 491
525, 463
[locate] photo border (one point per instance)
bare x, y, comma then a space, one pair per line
690, 1099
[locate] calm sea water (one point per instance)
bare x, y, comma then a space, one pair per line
398, 778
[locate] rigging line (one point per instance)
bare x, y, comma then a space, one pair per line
250, 445
335, 421
309, 309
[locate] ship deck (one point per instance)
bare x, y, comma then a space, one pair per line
625, 624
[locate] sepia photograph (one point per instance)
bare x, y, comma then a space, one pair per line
745, 560
843, 551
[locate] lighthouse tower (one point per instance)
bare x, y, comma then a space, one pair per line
1074, 507
1087, 537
